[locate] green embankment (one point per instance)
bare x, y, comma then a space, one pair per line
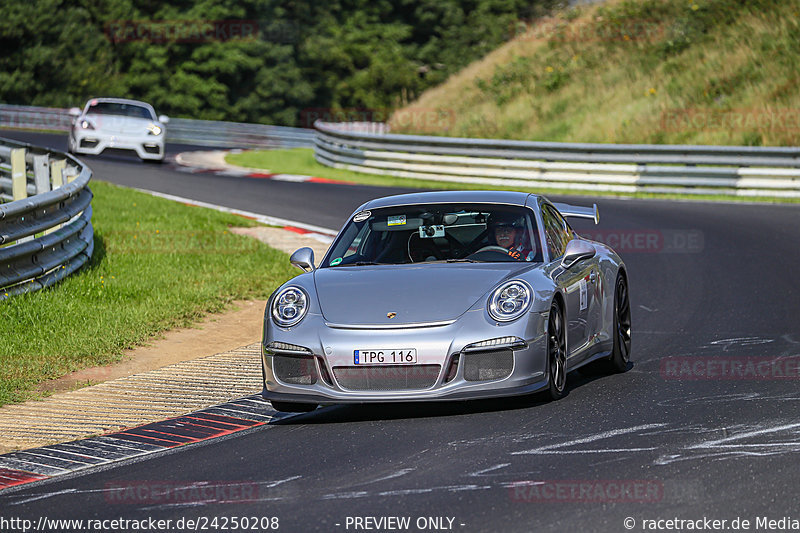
652, 71
157, 264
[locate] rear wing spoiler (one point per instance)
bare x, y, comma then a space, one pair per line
579, 212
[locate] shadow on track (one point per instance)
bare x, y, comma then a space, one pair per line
368, 412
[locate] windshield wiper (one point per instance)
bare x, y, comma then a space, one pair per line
463, 260
359, 263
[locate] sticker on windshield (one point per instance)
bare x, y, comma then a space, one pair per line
362, 216
396, 220
336, 261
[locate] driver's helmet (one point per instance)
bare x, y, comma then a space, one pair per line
505, 219
511, 220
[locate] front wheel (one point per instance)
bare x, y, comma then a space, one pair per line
621, 354
293, 407
556, 352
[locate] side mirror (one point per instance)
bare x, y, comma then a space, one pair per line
164, 119
577, 250
303, 259
74, 112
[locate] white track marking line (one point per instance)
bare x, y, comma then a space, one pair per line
264, 219
553, 448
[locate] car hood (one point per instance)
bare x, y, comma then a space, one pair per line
416, 293
120, 124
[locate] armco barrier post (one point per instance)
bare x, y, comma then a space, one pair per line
57, 180
19, 185
57, 173
41, 174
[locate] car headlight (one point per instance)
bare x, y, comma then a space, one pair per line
85, 124
154, 129
289, 306
510, 301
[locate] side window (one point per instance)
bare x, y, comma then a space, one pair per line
569, 233
363, 236
555, 231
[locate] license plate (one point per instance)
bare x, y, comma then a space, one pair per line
407, 356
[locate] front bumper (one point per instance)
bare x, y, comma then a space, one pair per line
94, 142
332, 348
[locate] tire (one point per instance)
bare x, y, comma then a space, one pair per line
293, 407
621, 353
556, 353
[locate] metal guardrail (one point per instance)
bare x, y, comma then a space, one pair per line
736, 170
45, 217
179, 130
369, 148
237, 134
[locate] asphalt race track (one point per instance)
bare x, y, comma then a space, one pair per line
705, 424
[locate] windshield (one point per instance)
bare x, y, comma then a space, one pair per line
124, 110
437, 232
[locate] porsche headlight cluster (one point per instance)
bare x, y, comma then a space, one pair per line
154, 129
289, 306
85, 124
510, 301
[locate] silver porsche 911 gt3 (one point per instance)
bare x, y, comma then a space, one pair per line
446, 296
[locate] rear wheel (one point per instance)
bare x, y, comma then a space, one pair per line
621, 354
556, 352
293, 407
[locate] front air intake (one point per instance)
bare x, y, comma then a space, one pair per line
295, 370
387, 377
490, 365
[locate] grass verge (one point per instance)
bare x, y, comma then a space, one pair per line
301, 161
157, 264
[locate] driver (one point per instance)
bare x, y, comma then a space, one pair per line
509, 231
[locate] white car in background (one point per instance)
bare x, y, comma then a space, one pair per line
120, 124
